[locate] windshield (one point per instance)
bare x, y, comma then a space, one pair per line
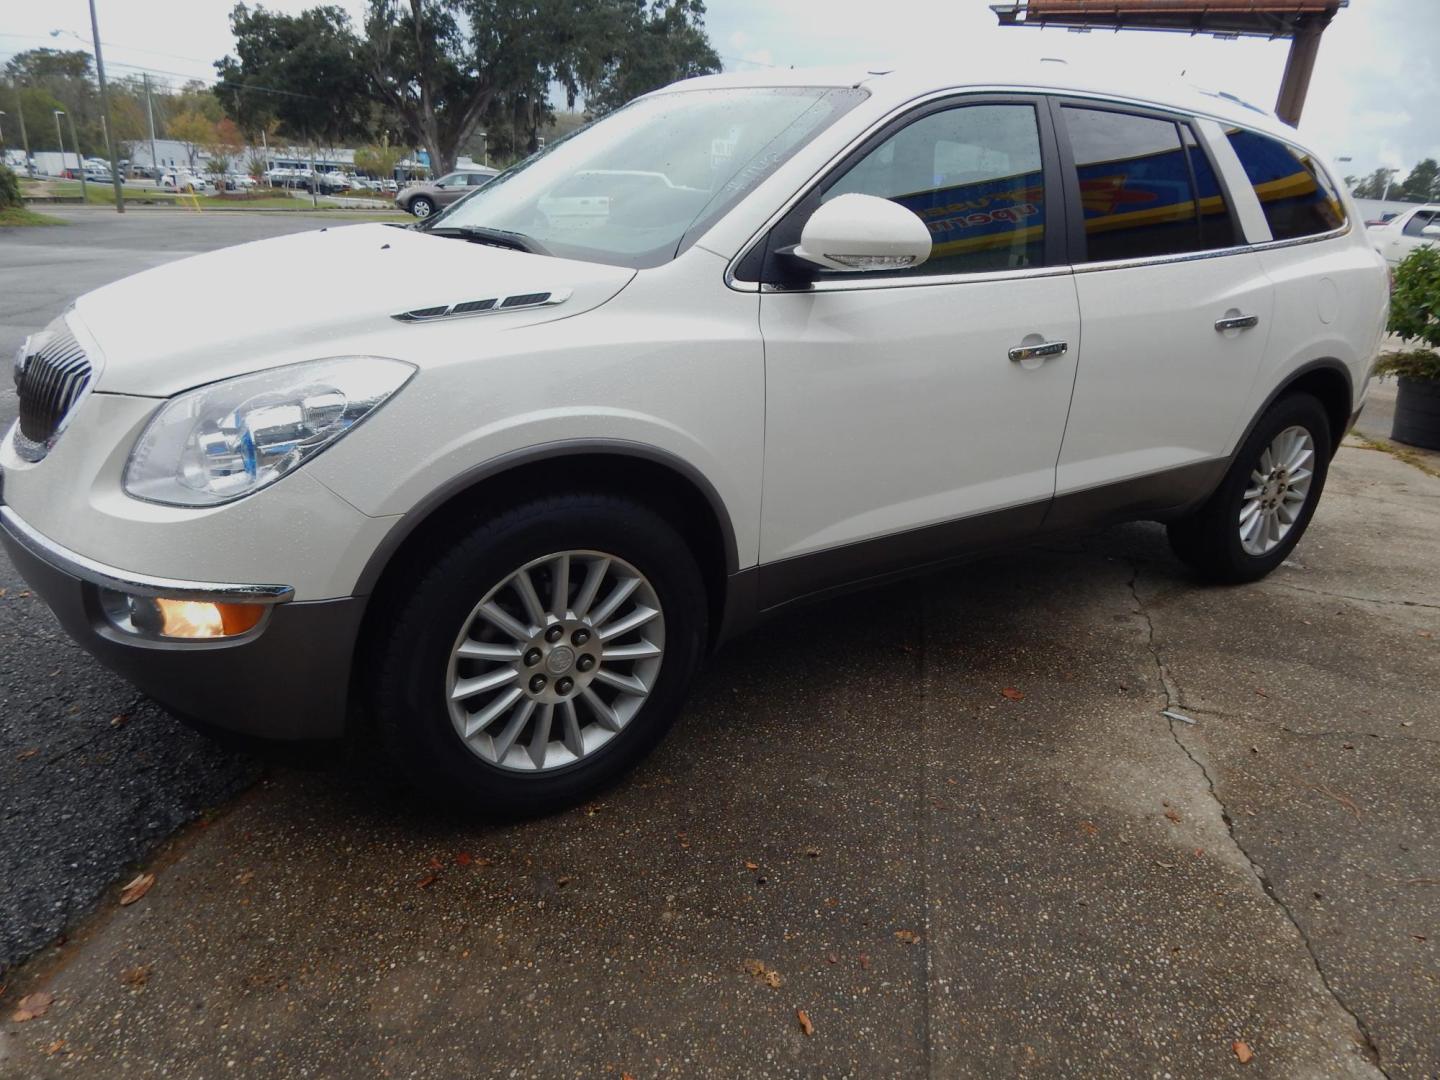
631, 188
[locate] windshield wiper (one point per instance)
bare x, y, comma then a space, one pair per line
483, 234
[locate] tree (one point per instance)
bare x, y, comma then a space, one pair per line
303, 71
64, 78
225, 145
379, 159
440, 65
1373, 186
1423, 183
662, 41
193, 131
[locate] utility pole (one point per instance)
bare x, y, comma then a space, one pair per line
150, 114
24, 139
105, 113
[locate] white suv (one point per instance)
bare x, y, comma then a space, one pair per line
495, 485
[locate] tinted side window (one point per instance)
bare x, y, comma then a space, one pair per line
1417, 224
973, 174
1296, 195
1136, 187
1217, 226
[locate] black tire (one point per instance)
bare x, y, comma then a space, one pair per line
1209, 539
421, 207
411, 654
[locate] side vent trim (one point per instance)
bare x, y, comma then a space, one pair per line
493, 305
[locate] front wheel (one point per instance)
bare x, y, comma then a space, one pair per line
422, 207
541, 655
1262, 507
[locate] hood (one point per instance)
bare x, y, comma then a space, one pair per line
331, 292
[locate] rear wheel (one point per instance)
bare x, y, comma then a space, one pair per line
1261, 509
542, 655
421, 207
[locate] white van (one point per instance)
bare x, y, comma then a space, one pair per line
494, 485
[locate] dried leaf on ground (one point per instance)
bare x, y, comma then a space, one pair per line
813, 852
33, 1006
1089, 828
436, 864
864, 962
761, 973
909, 937
832, 958
1341, 798
55, 1047
463, 859
751, 866
119, 720
428, 880
136, 976
136, 889
1013, 694
26, 755
1243, 1053
805, 1025
244, 877
1173, 815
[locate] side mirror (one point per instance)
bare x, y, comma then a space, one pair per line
1431, 232
863, 232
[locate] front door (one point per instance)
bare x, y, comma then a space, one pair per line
900, 429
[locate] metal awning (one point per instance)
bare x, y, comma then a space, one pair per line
1264, 18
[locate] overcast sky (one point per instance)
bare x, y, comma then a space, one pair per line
1374, 96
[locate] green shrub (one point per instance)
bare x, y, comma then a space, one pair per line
1415, 316
9, 188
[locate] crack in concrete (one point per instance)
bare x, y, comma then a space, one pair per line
1173, 700
1348, 596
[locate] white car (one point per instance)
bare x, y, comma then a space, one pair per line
1402, 234
183, 181
491, 488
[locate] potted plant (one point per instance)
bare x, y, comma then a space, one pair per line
1415, 318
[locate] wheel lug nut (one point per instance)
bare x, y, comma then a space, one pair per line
554, 634
537, 683
585, 663
580, 636
564, 686
532, 657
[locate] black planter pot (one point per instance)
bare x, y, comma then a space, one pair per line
1417, 413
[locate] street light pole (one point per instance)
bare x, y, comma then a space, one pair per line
105, 112
150, 114
24, 139
79, 161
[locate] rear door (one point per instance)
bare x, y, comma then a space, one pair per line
1175, 312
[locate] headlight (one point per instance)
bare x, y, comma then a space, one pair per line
227, 440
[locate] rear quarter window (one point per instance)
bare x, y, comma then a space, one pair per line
1295, 193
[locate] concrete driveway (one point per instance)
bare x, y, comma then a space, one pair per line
947, 821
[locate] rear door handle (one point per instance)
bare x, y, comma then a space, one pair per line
1043, 351
1237, 322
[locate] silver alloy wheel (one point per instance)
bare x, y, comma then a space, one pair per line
420, 208
537, 684
1278, 489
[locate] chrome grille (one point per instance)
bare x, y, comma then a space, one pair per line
51, 374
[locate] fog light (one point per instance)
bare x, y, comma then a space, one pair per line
181, 619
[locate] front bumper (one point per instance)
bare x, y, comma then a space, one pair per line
287, 679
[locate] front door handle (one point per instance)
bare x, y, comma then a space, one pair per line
1237, 322
1042, 351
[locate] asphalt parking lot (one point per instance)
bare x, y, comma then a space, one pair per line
947, 820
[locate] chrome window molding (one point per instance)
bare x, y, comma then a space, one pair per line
108, 577
895, 280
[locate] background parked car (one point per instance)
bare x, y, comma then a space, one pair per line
1414, 228
425, 198
185, 181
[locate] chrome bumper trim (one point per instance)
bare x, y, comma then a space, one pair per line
108, 577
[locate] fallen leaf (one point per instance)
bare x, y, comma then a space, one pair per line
119, 720
1013, 694
55, 1047
136, 889
1341, 798
864, 962
463, 859
832, 958
428, 880
136, 976
1243, 1053
32, 1006
813, 852
626, 1076
909, 937
760, 972
1089, 828
560, 883
805, 1025
25, 755
1173, 815
752, 866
